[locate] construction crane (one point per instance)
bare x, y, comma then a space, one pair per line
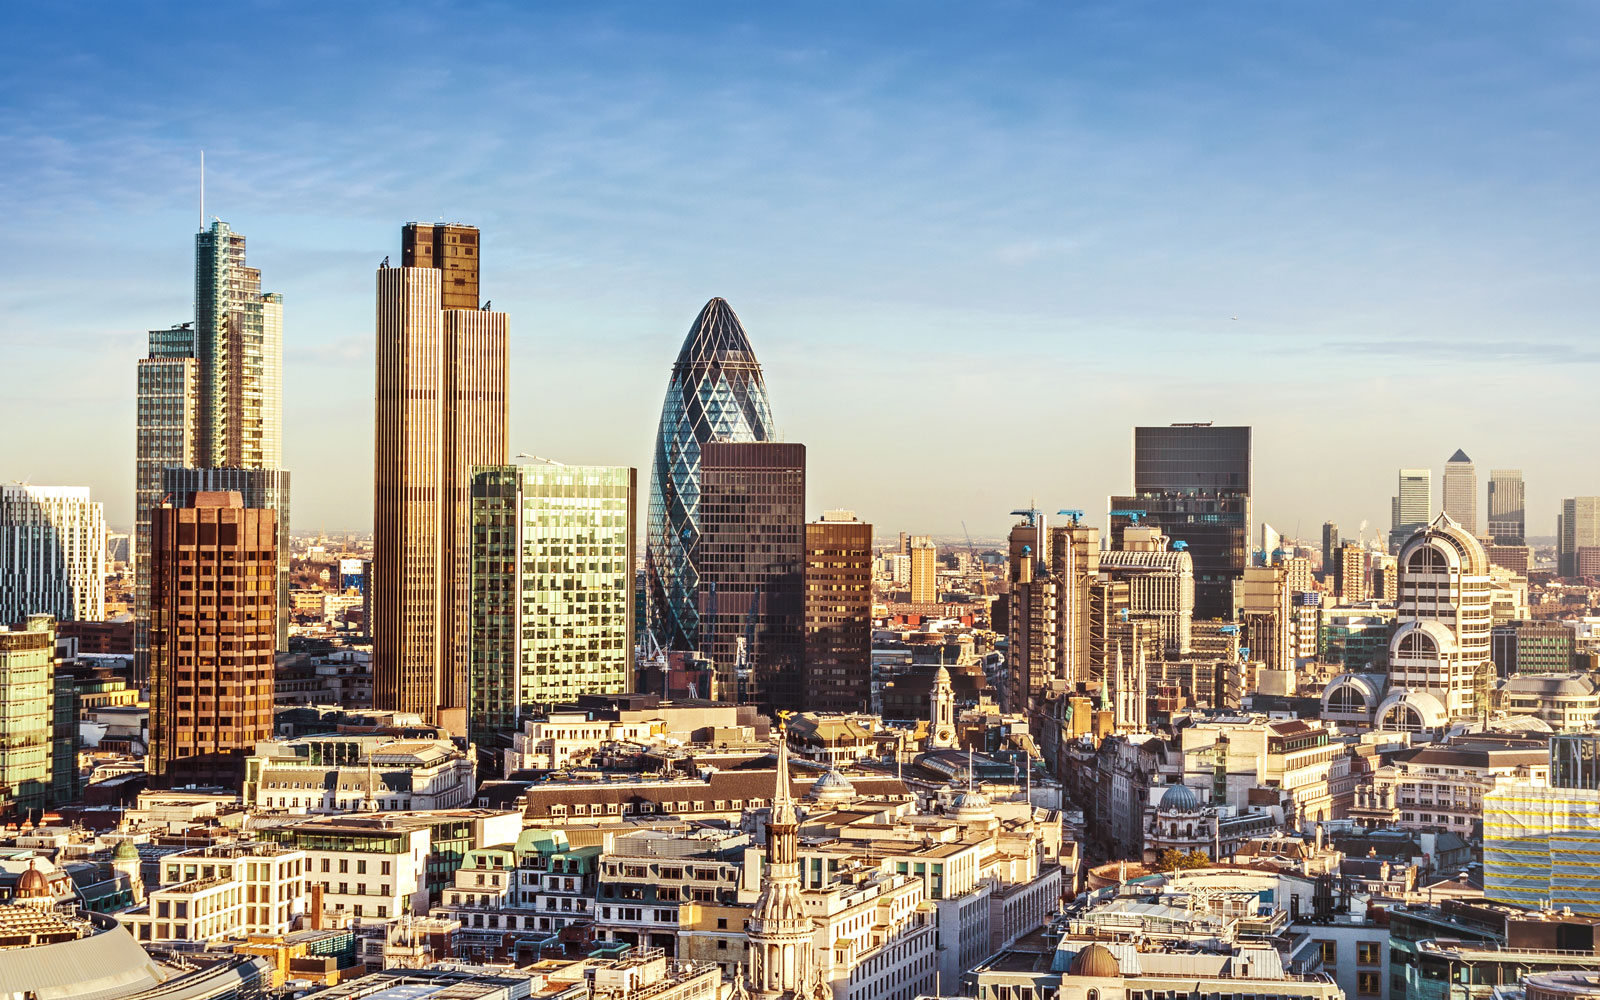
1133, 516
972, 553
1033, 514
1072, 514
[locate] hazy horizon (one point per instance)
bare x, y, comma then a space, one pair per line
972, 247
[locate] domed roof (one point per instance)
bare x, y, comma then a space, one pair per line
125, 851
832, 787
1096, 961
971, 805
1179, 798
32, 884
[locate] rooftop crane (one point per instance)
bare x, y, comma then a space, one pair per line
972, 553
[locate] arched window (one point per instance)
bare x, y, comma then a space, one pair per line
1427, 559
1418, 644
1402, 718
1348, 698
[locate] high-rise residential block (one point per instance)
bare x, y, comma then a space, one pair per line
441, 410
1193, 482
752, 568
266, 489
1461, 491
716, 393
52, 553
1350, 581
238, 335
1508, 502
924, 570
1412, 506
1577, 528
838, 611
212, 637
552, 589
27, 715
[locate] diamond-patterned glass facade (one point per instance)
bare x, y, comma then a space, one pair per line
716, 394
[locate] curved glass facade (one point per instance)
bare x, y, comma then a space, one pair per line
716, 394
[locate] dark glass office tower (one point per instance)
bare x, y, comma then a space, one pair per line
752, 562
838, 673
716, 393
1193, 482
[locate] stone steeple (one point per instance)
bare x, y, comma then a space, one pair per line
782, 966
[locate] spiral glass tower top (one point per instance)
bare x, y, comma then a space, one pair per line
716, 394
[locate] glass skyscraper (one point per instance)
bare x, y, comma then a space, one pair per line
716, 393
1193, 482
552, 588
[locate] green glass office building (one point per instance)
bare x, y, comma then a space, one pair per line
553, 594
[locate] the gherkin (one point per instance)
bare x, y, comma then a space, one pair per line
716, 394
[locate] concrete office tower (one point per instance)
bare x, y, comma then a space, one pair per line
1440, 664
52, 553
1266, 618
266, 489
1160, 584
212, 631
1412, 506
924, 570
1461, 491
27, 715
751, 562
715, 393
552, 588
1330, 547
1577, 528
1508, 514
441, 410
1057, 612
239, 345
838, 609
1193, 482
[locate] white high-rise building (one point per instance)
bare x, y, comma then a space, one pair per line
1440, 665
52, 553
1412, 506
1461, 491
1508, 517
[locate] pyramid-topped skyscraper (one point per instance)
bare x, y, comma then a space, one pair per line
716, 393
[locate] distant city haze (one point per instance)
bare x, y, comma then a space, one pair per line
972, 251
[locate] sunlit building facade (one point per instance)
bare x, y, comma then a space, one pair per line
52, 553
552, 588
716, 393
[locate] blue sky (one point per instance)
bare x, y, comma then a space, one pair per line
973, 245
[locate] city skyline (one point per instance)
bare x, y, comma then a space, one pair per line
1436, 241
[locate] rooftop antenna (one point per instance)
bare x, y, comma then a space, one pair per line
202, 190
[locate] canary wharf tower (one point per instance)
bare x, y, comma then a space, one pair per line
716, 394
